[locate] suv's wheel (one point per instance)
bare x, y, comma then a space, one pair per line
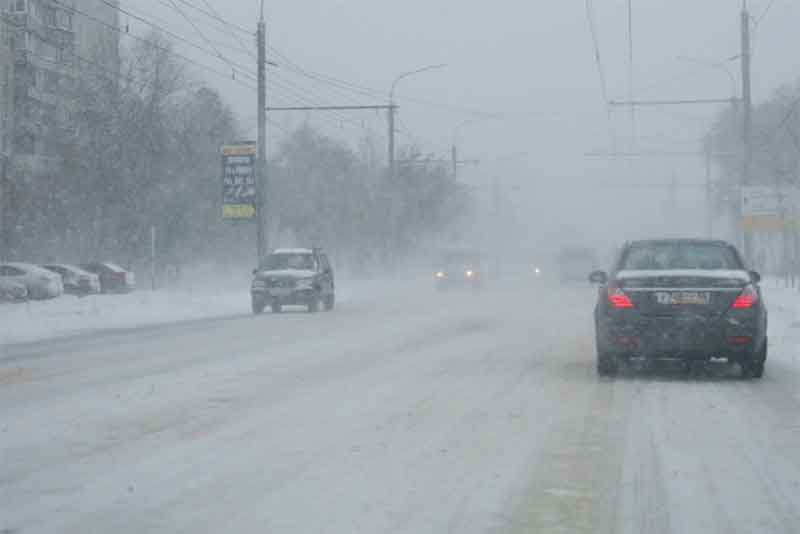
330, 302
276, 307
258, 306
313, 305
754, 366
607, 364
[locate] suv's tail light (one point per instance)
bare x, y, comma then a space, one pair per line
618, 299
746, 299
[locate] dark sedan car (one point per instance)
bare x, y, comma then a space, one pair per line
689, 300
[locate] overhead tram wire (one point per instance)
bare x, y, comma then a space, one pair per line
248, 50
214, 52
590, 17
212, 14
156, 45
217, 29
371, 92
223, 28
159, 27
200, 33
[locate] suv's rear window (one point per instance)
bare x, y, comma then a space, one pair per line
663, 256
281, 261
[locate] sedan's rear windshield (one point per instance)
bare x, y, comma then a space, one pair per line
666, 256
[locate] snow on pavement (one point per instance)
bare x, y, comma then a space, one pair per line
69, 315
415, 412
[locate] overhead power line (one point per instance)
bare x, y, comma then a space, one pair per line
156, 45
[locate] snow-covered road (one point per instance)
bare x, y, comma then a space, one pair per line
415, 413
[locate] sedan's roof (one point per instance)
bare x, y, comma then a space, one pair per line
21, 265
67, 266
679, 240
293, 251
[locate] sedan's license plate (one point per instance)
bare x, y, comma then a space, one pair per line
682, 298
280, 292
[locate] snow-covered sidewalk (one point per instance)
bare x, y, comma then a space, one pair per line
71, 315
784, 321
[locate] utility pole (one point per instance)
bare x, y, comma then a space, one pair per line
747, 124
8, 219
391, 111
261, 176
454, 162
708, 200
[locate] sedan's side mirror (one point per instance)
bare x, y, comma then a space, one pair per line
755, 276
598, 277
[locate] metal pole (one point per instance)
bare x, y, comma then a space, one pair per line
261, 183
8, 218
391, 138
153, 257
454, 157
747, 124
709, 202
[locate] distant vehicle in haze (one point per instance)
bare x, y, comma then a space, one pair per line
76, 280
680, 299
574, 262
293, 277
113, 278
40, 283
459, 267
11, 291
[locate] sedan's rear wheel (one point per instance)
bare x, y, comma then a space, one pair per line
258, 306
607, 364
276, 307
754, 366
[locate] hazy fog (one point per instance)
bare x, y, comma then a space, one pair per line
533, 63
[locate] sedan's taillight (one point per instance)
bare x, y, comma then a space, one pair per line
618, 299
746, 299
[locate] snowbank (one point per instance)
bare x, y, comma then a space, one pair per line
68, 315
71, 315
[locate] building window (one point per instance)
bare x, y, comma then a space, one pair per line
18, 6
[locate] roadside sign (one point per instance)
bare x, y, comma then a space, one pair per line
768, 208
239, 194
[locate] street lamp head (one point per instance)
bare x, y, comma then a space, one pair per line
411, 73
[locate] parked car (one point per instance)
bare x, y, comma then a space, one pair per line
40, 283
680, 299
113, 278
11, 291
293, 277
76, 280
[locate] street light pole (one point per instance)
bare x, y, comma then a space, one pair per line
747, 124
393, 109
261, 180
